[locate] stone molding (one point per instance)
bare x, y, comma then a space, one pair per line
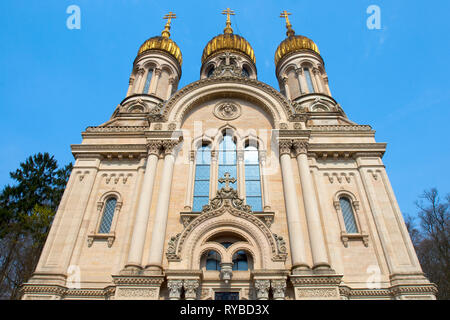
227, 200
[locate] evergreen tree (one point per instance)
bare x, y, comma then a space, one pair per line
27, 209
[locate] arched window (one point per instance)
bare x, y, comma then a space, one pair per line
240, 261
212, 261
348, 214
210, 72
245, 72
227, 160
148, 80
108, 215
308, 80
202, 176
252, 178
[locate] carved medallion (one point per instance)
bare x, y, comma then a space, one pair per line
227, 111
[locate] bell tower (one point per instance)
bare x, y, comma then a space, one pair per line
300, 69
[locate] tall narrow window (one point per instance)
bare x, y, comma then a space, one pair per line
108, 215
202, 176
309, 81
213, 261
252, 178
349, 216
227, 160
240, 261
148, 80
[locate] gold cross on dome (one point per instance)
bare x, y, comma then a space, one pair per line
166, 33
229, 13
290, 31
169, 17
227, 180
285, 15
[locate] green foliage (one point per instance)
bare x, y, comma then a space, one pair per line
27, 209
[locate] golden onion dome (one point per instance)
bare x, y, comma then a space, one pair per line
163, 42
293, 42
228, 41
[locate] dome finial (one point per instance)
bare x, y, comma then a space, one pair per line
165, 33
228, 28
290, 32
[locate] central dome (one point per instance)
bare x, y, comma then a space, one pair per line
228, 42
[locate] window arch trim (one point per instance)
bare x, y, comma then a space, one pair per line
360, 235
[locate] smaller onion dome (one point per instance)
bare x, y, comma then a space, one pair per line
293, 42
163, 42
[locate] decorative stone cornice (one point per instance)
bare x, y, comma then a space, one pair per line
226, 79
330, 280
136, 280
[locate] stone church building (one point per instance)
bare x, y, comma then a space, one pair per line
228, 189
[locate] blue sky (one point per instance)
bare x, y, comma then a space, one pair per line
54, 82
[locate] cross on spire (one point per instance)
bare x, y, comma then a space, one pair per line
290, 31
165, 33
229, 13
227, 180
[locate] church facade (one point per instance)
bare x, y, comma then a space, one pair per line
229, 189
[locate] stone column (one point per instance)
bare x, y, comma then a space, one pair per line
162, 207
143, 211
190, 289
214, 172
292, 210
262, 289
303, 83
130, 85
318, 77
174, 289
299, 74
141, 81
265, 187
278, 289
319, 254
170, 88
286, 87
188, 198
327, 86
240, 172
155, 79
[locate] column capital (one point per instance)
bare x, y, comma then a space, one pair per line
262, 154
316, 70
214, 155
157, 71
141, 71
278, 289
240, 155
300, 147
285, 146
190, 287
299, 71
174, 289
154, 147
169, 146
262, 289
192, 155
